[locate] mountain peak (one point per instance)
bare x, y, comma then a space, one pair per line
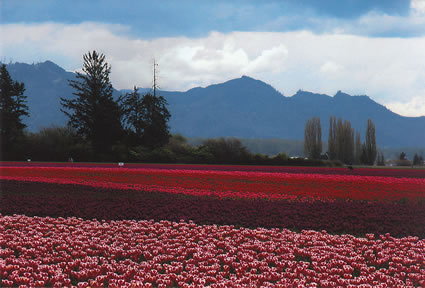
49, 66
301, 94
341, 94
244, 107
244, 77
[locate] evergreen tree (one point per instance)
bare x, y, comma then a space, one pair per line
416, 160
12, 108
155, 117
370, 143
313, 138
94, 113
133, 118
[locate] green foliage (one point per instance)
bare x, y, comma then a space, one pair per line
418, 160
12, 108
227, 150
146, 118
55, 144
93, 113
157, 155
131, 105
280, 158
380, 160
155, 118
403, 162
266, 146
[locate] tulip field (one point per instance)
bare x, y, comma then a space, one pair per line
99, 225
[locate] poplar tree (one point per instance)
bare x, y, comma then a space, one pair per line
370, 143
358, 149
332, 145
344, 140
313, 138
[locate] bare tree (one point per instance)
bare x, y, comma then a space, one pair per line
370, 143
332, 145
344, 141
358, 149
313, 138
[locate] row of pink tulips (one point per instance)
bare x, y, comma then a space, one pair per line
59, 252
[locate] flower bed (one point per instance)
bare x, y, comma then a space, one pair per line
61, 252
88, 202
384, 172
165, 227
230, 184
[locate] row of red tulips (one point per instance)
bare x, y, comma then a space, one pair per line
231, 184
384, 172
59, 252
354, 217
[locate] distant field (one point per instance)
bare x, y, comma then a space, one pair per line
398, 172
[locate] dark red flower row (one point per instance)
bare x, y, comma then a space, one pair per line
353, 217
231, 184
384, 172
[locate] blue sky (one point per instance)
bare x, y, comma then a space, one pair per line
194, 18
358, 46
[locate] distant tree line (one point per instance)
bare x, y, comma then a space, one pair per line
342, 145
402, 160
132, 128
108, 126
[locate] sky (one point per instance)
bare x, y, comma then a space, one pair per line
361, 47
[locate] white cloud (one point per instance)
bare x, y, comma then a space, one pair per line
272, 60
375, 23
418, 6
389, 70
414, 106
330, 67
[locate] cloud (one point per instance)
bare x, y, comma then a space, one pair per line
330, 68
193, 18
418, 6
390, 70
414, 106
270, 60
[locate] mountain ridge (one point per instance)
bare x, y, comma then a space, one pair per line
242, 107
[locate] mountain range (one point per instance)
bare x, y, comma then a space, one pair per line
242, 107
